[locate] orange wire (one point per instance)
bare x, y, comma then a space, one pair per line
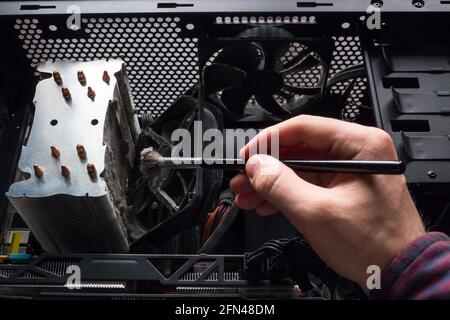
225, 214
209, 223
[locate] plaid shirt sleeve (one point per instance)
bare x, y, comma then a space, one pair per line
422, 271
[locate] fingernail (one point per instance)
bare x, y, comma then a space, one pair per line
253, 164
242, 153
263, 164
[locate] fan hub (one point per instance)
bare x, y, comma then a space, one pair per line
263, 82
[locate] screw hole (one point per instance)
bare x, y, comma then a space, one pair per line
418, 3
377, 3
54, 122
94, 122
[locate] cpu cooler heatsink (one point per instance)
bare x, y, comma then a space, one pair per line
75, 162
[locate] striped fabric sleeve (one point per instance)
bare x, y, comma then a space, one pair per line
421, 271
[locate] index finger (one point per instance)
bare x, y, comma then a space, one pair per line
334, 137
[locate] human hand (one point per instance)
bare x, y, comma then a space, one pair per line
352, 221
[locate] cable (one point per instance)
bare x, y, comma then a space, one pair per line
324, 73
296, 253
213, 241
210, 220
352, 72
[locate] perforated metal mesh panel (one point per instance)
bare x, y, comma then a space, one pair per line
347, 53
161, 63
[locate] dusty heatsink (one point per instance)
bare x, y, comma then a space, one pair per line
75, 162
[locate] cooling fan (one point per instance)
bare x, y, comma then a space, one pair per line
248, 71
172, 202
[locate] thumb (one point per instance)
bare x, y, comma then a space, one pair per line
282, 187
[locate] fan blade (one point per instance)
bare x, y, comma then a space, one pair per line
217, 77
269, 103
236, 99
297, 59
301, 91
308, 62
243, 56
355, 71
273, 51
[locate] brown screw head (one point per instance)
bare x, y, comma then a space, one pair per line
81, 77
65, 171
38, 171
106, 77
57, 77
92, 171
55, 152
66, 93
81, 151
91, 93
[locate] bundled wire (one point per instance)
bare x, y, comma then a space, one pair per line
271, 249
296, 253
217, 224
214, 218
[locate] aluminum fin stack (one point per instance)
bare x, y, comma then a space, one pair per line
75, 162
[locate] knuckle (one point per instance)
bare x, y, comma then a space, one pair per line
384, 138
381, 138
304, 118
380, 143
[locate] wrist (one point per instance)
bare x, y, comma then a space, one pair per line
397, 278
380, 260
